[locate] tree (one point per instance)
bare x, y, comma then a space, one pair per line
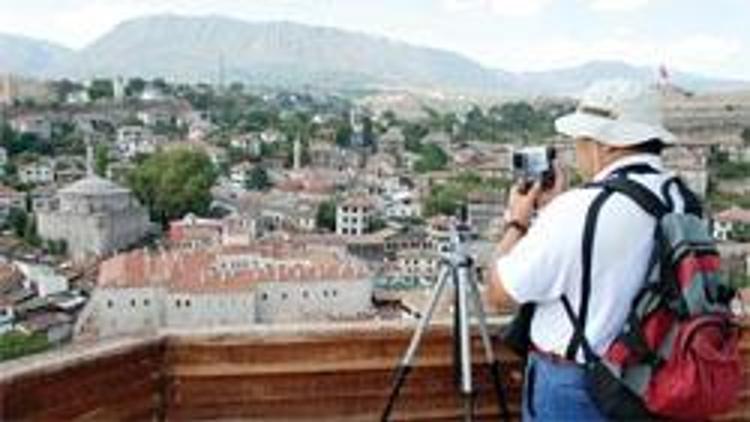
326, 215
17, 221
174, 183
101, 159
344, 135
135, 87
101, 88
16, 344
257, 179
413, 134
433, 159
746, 136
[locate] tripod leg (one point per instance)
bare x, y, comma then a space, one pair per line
461, 278
489, 352
404, 367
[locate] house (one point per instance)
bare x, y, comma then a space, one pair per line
135, 140
403, 204
484, 209
157, 116
192, 232
242, 229
354, 215
732, 224
78, 97
40, 172
393, 141
418, 263
409, 238
42, 279
239, 174
38, 125
9, 199
331, 157
69, 169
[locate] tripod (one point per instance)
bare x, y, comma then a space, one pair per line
457, 266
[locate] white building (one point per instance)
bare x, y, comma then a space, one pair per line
42, 279
33, 124
731, 223
78, 97
239, 173
354, 216
37, 173
237, 287
135, 140
94, 216
402, 204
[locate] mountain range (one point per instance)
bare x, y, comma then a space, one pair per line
212, 48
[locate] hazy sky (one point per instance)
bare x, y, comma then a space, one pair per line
705, 36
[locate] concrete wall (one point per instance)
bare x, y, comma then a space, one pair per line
185, 310
116, 312
94, 234
312, 300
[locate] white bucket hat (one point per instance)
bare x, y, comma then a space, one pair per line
619, 113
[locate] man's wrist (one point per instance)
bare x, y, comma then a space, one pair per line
518, 226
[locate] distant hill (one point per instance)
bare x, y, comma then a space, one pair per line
293, 55
280, 53
573, 80
26, 56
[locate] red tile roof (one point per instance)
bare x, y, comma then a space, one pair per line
199, 272
734, 215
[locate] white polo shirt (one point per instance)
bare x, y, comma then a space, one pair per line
547, 262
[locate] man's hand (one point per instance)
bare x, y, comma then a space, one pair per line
521, 206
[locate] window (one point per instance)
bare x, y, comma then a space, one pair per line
334, 293
146, 302
187, 303
110, 304
325, 293
178, 303
305, 294
132, 303
284, 296
264, 297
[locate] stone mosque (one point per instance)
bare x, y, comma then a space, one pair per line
94, 216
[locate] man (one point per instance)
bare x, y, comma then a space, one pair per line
617, 132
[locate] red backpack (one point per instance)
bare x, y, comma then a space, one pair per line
677, 355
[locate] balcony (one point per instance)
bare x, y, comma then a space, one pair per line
286, 373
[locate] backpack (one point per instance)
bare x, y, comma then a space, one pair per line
677, 355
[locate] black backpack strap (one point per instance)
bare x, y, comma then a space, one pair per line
692, 203
578, 332
641, 195
589, 230
619, 183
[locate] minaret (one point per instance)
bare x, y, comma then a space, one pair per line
89, 157
297, 155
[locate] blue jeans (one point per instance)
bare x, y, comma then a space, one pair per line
555, 391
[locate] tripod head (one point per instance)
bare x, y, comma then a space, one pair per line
460, 236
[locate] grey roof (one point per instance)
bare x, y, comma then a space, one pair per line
94, 185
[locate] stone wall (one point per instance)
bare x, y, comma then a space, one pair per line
94, 234
312, 300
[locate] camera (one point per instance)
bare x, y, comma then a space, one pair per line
532, 164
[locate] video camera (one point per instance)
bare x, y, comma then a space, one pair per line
532, 164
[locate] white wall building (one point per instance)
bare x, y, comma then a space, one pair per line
135, 140
37, 125
141, 291
354, 216
38, 173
